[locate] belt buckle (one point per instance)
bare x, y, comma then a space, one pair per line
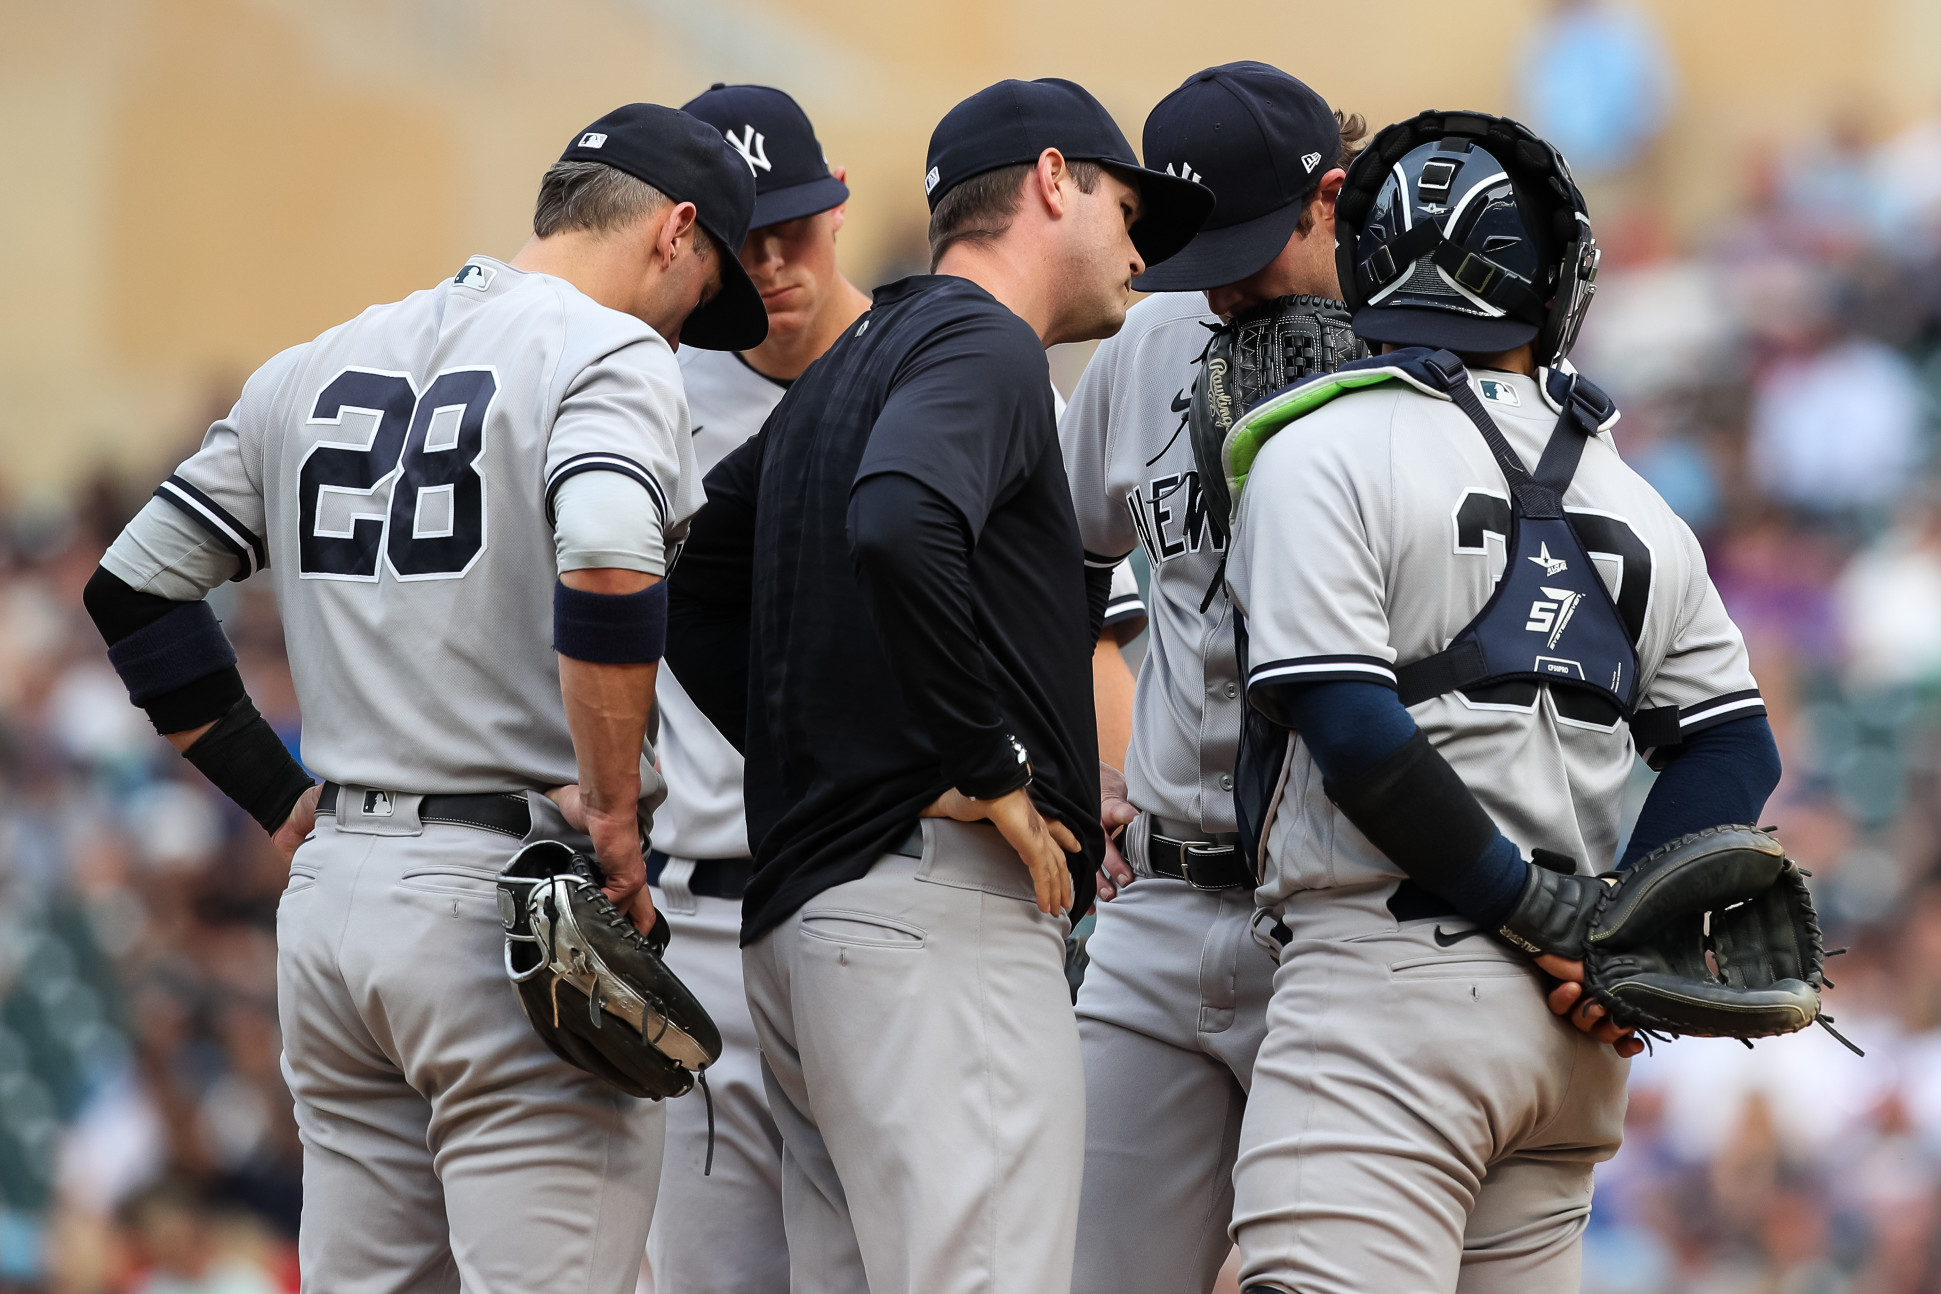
1190, 851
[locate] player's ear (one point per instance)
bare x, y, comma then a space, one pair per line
676, 226
1046, 181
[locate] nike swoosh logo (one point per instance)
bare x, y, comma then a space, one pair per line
1182, 402
1448, 941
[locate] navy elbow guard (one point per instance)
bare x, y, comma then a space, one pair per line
180, 668
248, 762
610, 628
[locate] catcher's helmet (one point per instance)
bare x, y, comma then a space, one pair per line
1464, 231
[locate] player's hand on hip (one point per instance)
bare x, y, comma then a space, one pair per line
1569, 1000
571, 806
1115, 814
1041, 842
616, 843
297, 827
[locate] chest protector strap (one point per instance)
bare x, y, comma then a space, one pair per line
1550, 619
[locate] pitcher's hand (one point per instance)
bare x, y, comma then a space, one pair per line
1115, 814
1041, 842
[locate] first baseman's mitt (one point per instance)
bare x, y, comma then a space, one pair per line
595, 989
1711, 935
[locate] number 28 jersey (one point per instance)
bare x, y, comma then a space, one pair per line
396, 475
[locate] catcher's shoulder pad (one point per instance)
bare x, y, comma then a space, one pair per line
1702, 872
1251, 430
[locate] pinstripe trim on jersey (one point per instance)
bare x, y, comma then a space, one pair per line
1720, 709
218, 521
1121, 609
605, 463
1095, 561
1323, 669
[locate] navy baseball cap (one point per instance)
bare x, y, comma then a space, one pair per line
688, 160
1258, 138
773, 135
1014, 122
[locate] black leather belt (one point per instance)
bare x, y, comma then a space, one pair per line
1205, 860
505, 812
1412, 902
716, 878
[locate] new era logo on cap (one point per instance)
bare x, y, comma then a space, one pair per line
592, 139
1310, 160
930, 181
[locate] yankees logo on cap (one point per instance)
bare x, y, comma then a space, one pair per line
772, 135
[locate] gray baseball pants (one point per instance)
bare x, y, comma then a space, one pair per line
923, 1067
720, 1233
444, 1147
1171, 1013
1420, 1122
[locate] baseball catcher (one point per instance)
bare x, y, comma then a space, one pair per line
596, 989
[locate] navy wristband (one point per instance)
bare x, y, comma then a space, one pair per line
172, 652
610, 628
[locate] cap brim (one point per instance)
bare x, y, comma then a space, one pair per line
1418, 326
735, 319
1217, 257
1171, 210
798, 200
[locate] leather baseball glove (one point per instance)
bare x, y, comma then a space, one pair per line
1711, 935
596, 989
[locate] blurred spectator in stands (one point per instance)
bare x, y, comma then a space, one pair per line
1596, 81
1889, 601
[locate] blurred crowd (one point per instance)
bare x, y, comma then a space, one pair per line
1780, 380
146, 1141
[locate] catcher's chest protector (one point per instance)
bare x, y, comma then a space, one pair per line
1550, 618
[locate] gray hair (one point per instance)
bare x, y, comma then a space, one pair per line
595, 197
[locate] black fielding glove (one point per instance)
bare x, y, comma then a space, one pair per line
1554, 913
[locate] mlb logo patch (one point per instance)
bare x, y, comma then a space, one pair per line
1499, 392
930, 181
475, 276
593, 139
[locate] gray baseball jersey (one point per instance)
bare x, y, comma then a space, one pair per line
1134, 484
396, 475
1372, 530
702, 818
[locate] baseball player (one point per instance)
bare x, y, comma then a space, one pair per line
447, 489
722, 1228
1462, 616
886, 599
1174, 1001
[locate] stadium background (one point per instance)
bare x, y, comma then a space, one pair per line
191, 185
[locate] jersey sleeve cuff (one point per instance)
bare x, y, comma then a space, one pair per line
1322, 669
579, 463
222, 525
1720, 709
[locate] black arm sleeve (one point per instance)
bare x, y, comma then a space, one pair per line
120, 611
1717, 775
708, 595
912, 554
241, 754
